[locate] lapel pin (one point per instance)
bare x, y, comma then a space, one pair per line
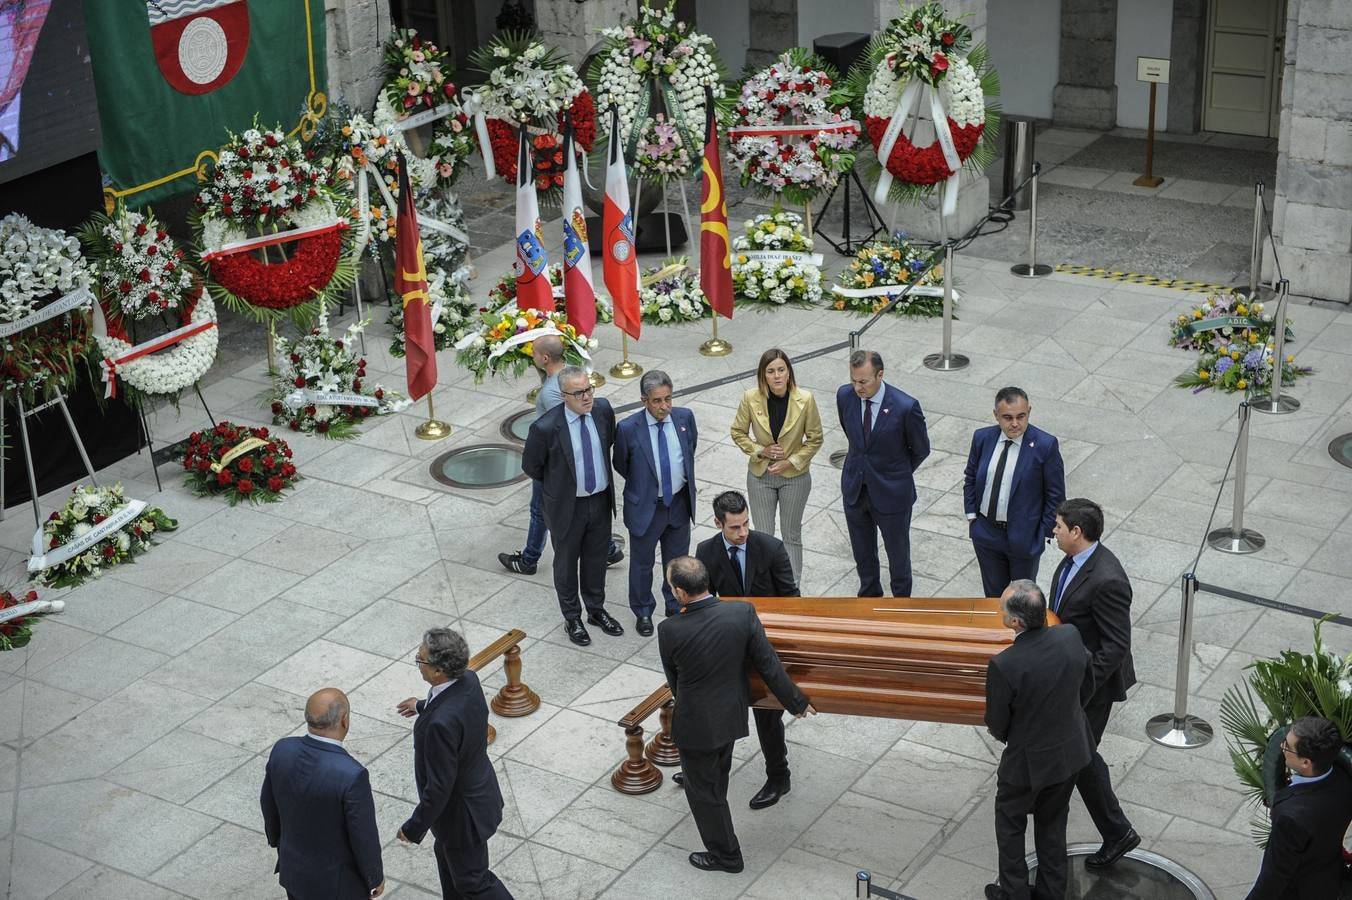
886, 410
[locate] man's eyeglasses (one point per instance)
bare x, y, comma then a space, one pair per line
419, 661
1287, 748
584, 392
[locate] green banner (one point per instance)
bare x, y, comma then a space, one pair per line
173, 77
1216, 324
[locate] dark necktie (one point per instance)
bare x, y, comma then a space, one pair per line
868, 420
996, 480
736, 568
588, 465
664, 464
1068, 563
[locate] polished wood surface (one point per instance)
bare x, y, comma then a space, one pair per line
515, 698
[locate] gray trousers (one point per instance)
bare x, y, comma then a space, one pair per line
765, 493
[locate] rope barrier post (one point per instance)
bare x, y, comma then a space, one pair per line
856, 340
947, 361
1178, 729
1274, 402
1256, 250
1032, 268
1237, 538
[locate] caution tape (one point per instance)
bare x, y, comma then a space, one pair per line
1173, 284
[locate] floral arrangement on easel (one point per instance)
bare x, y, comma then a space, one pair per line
529, 82
319, 384
99, 527
44, 328
670, 294
17, 632
265, 192
791, 134
139, 274
238, 462
879, 272
921, 77
656, 71
505, 339
504, 293
456, 314
773, 262
418, 82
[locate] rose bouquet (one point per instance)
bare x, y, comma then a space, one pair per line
38, 268
505, 339
1235, 367
670, 294
80, 541
17, 632
417, 73
457, 317
1222, 319
879, 272
238, 462
773, 262
319, 384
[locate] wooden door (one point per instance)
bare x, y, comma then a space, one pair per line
1243, 66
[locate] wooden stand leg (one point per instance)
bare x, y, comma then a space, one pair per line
515, 699
492, 735
635, 775
661, 749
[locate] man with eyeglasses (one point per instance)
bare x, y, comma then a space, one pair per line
568, 450
1304, 855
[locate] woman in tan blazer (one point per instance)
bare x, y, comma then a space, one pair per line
778, 427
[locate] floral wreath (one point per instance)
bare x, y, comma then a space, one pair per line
457, 315
16, 633
654, 56
267, 184
923, 56
881, 269
88, 508
505, 339
238, 461
773, 262
43, 291
138, 270
503, 294
531, 83
1223, 319
418, 80
1242, 366
670, 294
785, 137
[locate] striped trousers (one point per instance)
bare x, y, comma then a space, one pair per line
766, 493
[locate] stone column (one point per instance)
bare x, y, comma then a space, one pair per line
1086, 91
574, 27
1312, 215
1187, 54
354, 49
774, 29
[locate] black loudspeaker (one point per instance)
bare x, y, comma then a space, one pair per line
842, 49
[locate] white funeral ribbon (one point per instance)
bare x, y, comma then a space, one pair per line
893, 290
124, 515
108, 366
526, 337
306, 397
473, 105
797, 256
32, 608
423, 221
422, 118
741, 131
267, 240
910, 96
76, 298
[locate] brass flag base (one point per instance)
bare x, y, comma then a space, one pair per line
626, 368
433, 429
596, 378
715, 347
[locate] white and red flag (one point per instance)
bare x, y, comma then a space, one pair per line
578, 291
533, 290
620, 259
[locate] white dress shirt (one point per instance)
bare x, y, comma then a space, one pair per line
673, 451
1006, 479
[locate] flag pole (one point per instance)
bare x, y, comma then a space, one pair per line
433, 429
715, 346
626, 367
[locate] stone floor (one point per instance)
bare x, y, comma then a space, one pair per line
134, 730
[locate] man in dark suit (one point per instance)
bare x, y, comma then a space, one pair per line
1304, 855
318, 811
1090, 590
887, 443
458, 796
1014, 481
1035, 689
746, 563
655, 455
705, 651
568, 452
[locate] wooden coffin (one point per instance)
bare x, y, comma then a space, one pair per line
900, 658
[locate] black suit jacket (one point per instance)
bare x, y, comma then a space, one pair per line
319, 815
1303, 859
1098, 603
548, 458
458, 795
1035, 693
768, 570
705, 651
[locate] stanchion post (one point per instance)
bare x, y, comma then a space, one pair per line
947, 361
1178, 729
1032, 269
1274, 402
1237, 538
1256, 250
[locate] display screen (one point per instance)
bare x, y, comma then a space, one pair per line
48, 112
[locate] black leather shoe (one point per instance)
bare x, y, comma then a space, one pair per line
1110, 853
614, 556
678, 779
995, 892
606, 622
709, 864
576, 633
770, 794
644, 625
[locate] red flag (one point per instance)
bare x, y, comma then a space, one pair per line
533, 290
580, 295
619, 259
410, 282
715, 251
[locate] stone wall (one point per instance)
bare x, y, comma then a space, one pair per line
1187, 57
574, 27
774, 29
1312, 213
355, 30
1086, 91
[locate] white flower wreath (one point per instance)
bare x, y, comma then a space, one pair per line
34, 264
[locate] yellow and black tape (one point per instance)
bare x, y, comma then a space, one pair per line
1197, 287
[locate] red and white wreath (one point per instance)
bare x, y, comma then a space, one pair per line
921, 79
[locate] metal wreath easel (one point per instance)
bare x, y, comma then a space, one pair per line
24, 413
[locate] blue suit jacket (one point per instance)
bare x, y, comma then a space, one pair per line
635, 463
1038, 487
319, 814
886, 463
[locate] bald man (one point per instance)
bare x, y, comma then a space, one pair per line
318, 812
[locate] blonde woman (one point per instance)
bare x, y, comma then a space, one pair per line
778, 427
